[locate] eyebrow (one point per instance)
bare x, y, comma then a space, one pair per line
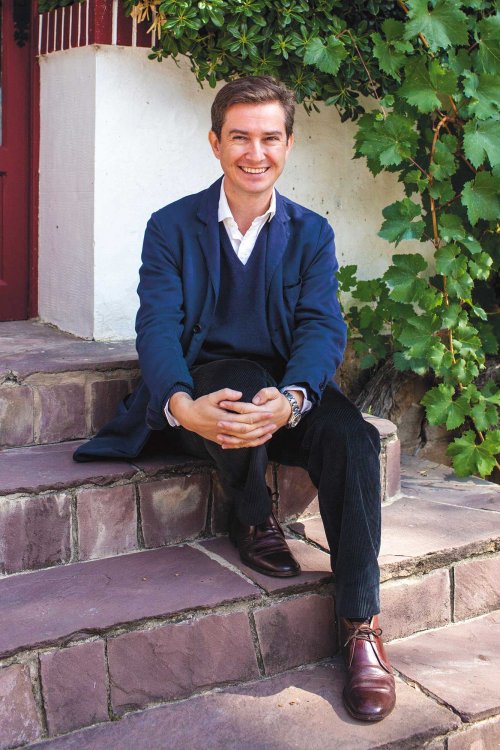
245, 132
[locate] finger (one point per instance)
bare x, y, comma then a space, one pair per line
265, 394
241, 407
246, 438
228, 394
251, 444
257, 418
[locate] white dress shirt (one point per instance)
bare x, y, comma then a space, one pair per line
243, 244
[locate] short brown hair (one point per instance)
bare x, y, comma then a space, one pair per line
252, 90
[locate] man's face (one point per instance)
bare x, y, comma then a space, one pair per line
253, 148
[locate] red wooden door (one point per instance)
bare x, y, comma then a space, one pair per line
15, 62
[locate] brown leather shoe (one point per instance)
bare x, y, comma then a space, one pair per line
263, 547
369, 692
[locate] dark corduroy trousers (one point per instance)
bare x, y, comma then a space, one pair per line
339, 450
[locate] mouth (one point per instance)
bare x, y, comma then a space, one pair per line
254, 170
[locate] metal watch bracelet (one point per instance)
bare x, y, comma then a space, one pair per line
296, 414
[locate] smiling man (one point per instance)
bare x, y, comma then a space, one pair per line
239, 334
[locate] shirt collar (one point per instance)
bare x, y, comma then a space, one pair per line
225, 211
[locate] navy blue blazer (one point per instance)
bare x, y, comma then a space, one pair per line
178, 291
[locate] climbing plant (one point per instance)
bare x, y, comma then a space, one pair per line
421, 80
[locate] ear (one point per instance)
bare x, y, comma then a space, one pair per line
214, 142
289, 144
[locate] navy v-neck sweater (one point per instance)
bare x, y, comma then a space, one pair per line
239, 328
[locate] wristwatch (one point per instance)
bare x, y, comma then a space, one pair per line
296, 414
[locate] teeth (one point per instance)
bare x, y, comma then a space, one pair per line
250, 170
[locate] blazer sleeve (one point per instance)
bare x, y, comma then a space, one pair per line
319, 334
159, 322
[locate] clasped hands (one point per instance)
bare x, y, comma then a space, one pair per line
224, 419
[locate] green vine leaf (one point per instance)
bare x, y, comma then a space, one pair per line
426, 83
402, 277
449, 261
443, 25
391, 52
346, 277
437, 402
470, 457
444, 163
480, 267
399, 224
418, 336
386, 142
488, 55
481, 141
481, 197
484, 415
483, 89
328, 56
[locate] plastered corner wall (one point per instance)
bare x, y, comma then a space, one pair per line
66, 208
146, 145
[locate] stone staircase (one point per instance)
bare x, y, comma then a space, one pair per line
128, 621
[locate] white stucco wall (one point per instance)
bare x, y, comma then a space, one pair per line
66, 209
123, 136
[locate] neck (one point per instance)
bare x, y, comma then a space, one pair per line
246, 209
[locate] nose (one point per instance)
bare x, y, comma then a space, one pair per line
255, 150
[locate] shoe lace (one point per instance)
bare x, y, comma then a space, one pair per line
363, 632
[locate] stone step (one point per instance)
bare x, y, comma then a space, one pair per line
54, 510
89, 641
55, 387
446, 700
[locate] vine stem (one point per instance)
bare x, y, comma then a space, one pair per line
440, 124
415, 164
373, 85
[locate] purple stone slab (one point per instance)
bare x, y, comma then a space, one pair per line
482, 736
51, 467
384, 426
314, 563
107, 521
418, 535
62, 412
459, 664
158, 463
28, 347
175, 660
34, 532
311, 529
296, 491
296, 631
439, 484
105, 396
18, 716
16, 408
416, 531
294, 711
49, 605
74, 686
173, 509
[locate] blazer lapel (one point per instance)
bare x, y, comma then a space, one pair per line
208, 234
279, 233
